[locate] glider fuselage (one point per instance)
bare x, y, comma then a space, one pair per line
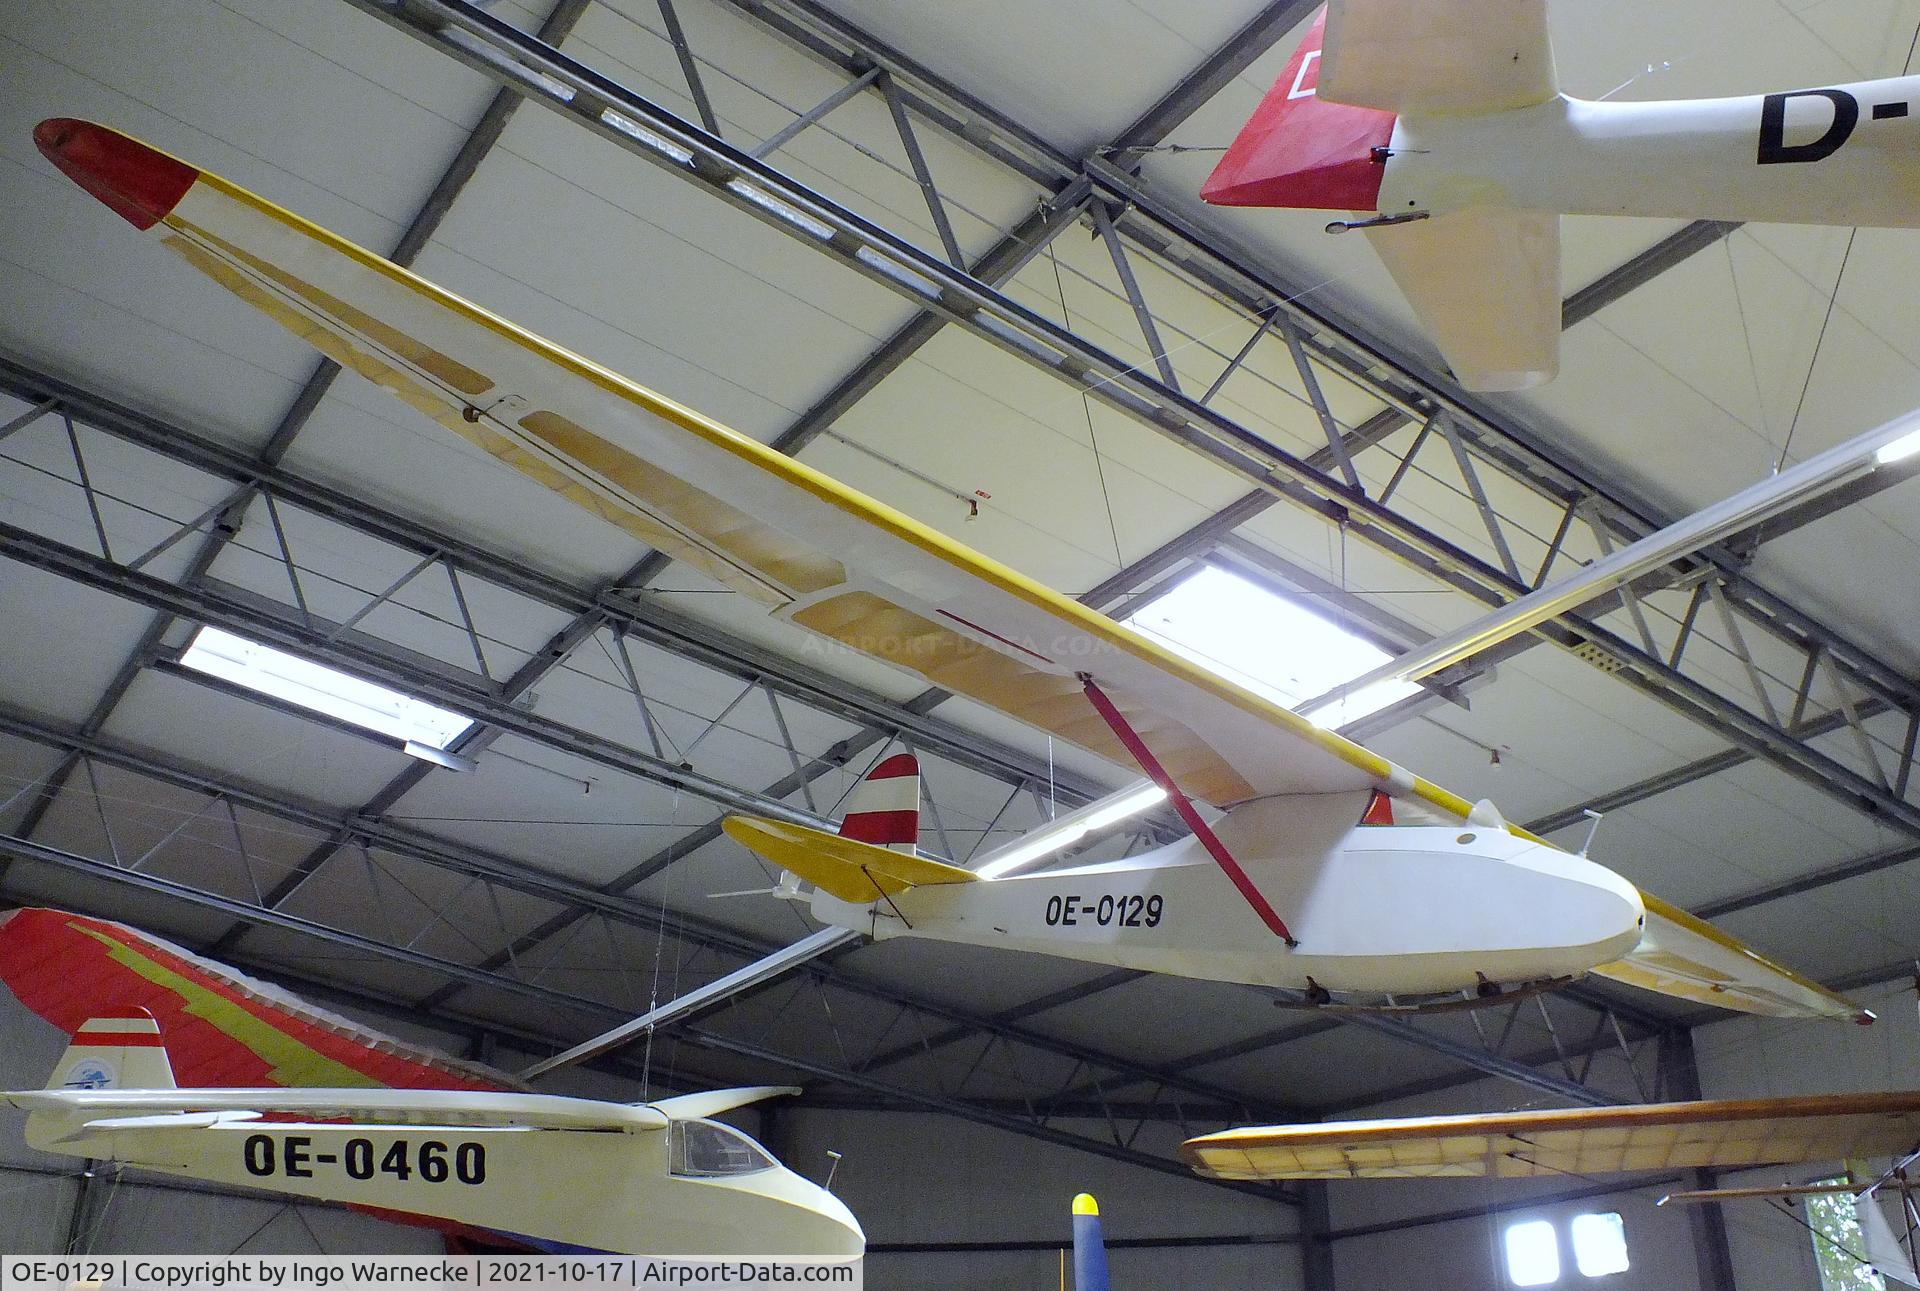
593, 1188
1397, 909
1844, 155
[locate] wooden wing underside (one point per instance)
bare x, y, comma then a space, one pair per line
1583, 1141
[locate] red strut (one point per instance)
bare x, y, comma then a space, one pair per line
1184, 805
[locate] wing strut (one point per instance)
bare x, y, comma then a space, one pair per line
1184, 805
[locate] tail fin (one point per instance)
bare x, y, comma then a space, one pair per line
885, 807
118, 1050
1299, 150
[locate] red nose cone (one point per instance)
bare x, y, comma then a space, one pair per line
139, 183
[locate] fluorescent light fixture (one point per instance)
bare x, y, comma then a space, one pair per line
1270, 645
1905, 446
1070, 829
325, 690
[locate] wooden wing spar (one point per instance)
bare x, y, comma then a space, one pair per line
1582, 1141
782, 533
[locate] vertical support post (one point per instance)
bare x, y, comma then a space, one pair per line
1712, 1257
84, 1219
1316, 1237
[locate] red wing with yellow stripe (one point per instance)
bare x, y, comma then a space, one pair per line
222, 1029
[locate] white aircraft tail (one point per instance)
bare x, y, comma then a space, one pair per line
119, 1050
885, 807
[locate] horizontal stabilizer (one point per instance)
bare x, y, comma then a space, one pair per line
842, 867
167, 1121
1486, 285
712, 1102
1411, 56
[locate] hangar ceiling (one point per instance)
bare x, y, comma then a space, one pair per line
953, 256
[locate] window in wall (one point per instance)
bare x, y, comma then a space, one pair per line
1533, 1253
1599, 1244
1839, 1247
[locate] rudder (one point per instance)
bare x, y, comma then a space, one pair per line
885, 807
1299, 150
117, 1050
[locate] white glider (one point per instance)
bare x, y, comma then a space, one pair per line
562, 1174
1441, 125
1332, 869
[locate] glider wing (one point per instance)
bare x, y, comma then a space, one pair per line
1580, 1141
108, 1110
1410, 56
222, 1028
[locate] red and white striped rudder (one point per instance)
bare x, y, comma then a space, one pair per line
885, 808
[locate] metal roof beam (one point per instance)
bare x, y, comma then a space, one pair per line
643, 620
630, 120
1199, 86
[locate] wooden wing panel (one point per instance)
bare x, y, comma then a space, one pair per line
1688, 958
1412, 56
1610, 1140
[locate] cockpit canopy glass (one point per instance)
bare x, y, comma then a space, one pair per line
710, 1150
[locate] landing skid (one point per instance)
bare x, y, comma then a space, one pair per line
1318, 999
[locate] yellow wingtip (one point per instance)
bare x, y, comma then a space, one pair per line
1084, 1204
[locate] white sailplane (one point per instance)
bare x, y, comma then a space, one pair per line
1441, 127
558, 1174
1330, 868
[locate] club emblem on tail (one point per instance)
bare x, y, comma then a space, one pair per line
118, 1050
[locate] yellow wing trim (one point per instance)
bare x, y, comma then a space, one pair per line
842, 867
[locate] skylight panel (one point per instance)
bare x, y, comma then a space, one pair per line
321, 689
1270, 645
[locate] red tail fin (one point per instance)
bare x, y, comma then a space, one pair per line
885, 809
1299, 150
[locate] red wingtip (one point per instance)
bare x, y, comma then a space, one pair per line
140, 184
1865, 1018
